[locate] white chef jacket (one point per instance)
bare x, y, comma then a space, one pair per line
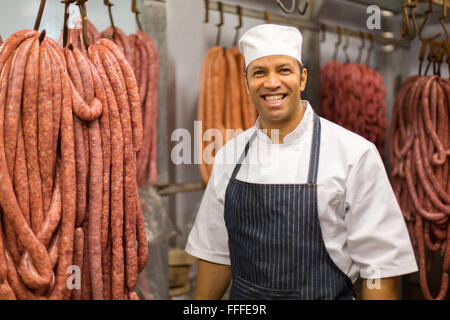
361, 222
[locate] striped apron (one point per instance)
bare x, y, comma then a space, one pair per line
275, 241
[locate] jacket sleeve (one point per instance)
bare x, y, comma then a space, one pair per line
208, 239
378, 240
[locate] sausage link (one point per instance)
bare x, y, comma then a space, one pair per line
6, 293
86, 292
205, 100
106, 149
83, 110
233, 90
85, 74
13, 102
68, 185
132, 61
57, 104
144, 66
138, 62
154, 67
10, 237
80, 149
78, 258
81, 171
13, 42
247, 121
3, 265
117, 195
20, 290
106, 269
21, 179
27, 271
12, 211
95, 210
111, 66
53, 251
131, 89
45, 124
141, 238
143, 156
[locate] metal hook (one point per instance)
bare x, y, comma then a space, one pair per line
440, 48
431, 56
221, 14
37, 23
361, 48
135, 10
220, 24
347, 59
66, 18
109, 5
83, 11
303, 10
239, 26
286, 10
336, 45
206, 11
425, 19
407, 34
425, 43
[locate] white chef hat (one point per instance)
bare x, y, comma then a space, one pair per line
271, 39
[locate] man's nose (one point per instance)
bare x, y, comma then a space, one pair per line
272, 81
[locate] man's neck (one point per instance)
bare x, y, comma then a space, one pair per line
282, 128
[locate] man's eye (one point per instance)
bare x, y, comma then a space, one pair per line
257, 73
285, 70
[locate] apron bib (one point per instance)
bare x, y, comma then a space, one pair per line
275, 241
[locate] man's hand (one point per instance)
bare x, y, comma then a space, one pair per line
379, 289
212, 280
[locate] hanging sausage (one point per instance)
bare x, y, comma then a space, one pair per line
419, 155
37, 239
223, 103
352, 95
69, 196
146, 69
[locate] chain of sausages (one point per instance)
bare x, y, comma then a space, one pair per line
142, 54
145, 63
419, 150
352, 95
223, 103
70, 126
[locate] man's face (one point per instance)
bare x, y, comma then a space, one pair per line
274, 86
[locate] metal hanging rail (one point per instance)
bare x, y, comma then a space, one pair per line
303, 23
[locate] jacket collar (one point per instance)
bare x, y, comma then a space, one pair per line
295, 134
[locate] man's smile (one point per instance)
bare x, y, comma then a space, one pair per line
274, 100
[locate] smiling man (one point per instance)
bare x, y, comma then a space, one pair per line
311, 218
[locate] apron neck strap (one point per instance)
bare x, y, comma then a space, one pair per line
315, 151
243, 155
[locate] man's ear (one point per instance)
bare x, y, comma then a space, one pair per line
303, 78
